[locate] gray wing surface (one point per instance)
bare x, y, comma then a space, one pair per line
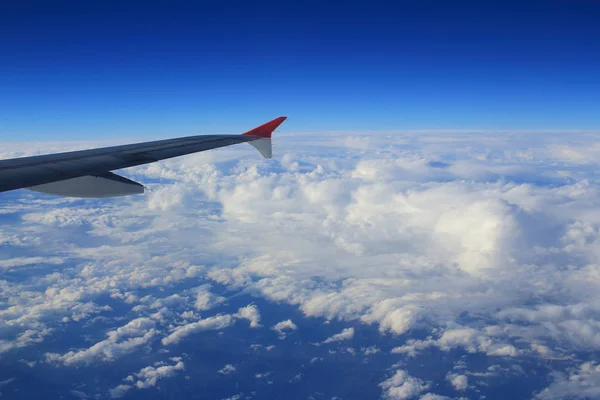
77, 167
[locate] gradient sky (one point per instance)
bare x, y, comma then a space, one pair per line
93, 70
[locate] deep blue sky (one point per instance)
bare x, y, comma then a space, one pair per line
101, 69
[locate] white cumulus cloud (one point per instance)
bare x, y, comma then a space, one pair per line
402, 386
217, 322
251, 313
458, 381
345, 334
148, 377
119, 342
283, 328
582, 382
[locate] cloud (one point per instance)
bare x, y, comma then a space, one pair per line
582, 382
251, 313
25, 338
432, 396
119, 342
119, 391
227, 369
7, 381
346, 334
25, 261
218, 322
479, 242
402, 386
283, 328
458, 382
391, 318
413, 347
368, 351
208, 324
473, 340
23, 322
173, 301
469, 339
148, 377
206, 300
234, 397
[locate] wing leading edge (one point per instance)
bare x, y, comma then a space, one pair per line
86, 173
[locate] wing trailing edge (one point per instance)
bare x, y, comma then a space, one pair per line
88, 186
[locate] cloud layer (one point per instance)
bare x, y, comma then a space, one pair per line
485, 243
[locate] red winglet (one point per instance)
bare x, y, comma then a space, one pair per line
265, 130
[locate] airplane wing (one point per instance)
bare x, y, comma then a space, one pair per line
86, 173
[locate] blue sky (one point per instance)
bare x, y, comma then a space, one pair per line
83, 70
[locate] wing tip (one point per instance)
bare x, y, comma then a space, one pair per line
265, 130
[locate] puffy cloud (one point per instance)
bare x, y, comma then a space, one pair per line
458, 382
582, 382
469, 339
283, 328
413, 347
172, 301
205, 300
402, 386
25, 338
218, 322
120, 342
432, 396
396, 320
208, 324
148, 377
23, 322
227, 369
251, 313
119, 391
346, 334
